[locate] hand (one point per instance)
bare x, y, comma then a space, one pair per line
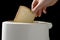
39, 6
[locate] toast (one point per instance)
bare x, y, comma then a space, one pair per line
24, 14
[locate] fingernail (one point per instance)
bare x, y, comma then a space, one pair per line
36, 16
39, 16
44, 12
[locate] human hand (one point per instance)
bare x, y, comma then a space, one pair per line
39, 6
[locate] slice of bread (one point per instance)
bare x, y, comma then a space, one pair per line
24, 14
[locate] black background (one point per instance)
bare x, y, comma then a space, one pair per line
8, 9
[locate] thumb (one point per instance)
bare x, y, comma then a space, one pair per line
34, 3
34, 6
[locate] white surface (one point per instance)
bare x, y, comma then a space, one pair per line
25, 31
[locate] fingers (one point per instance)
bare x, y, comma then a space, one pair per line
39, 13
37, 4
40, 6
44, 10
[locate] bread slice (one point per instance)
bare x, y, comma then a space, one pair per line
24, 14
